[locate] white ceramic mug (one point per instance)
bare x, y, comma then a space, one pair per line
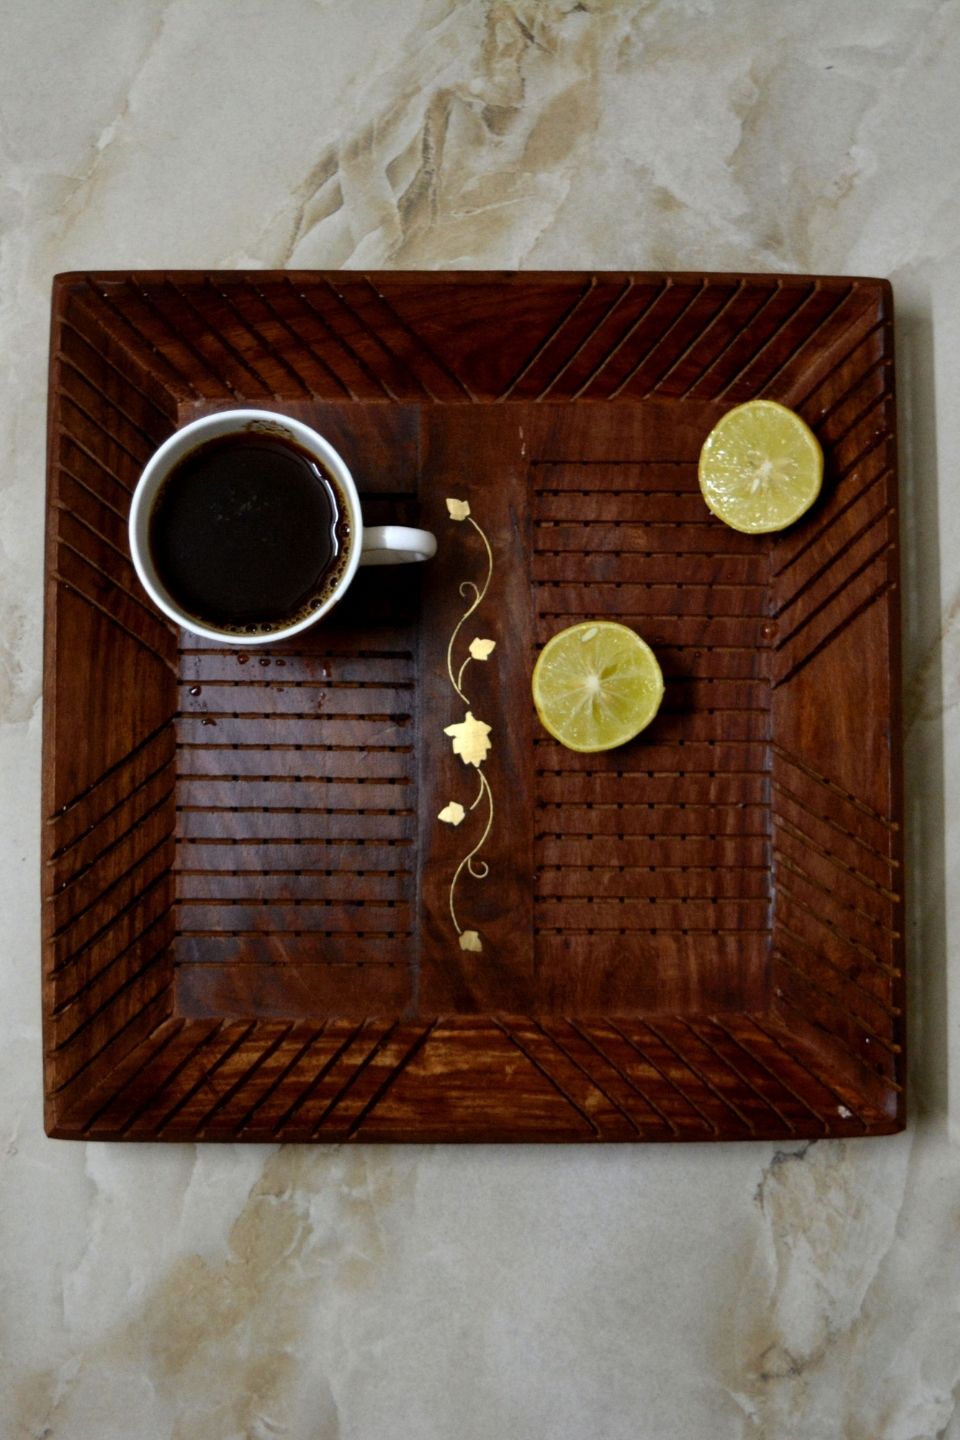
370, 545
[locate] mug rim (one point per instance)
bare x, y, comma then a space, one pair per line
176, 446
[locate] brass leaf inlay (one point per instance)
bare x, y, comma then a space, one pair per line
470, 739
470, 736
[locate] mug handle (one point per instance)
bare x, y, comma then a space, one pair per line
396, 545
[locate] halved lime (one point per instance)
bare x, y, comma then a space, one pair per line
761, 467
596, 685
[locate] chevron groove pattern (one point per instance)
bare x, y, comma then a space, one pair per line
662, 1059
679, 1115
88, 971
816, 601
790, 1100
800, 1000
357, 1065
196, 315
232, 1072
710, 337
73, 580
855, 807
808, 1063
838, 925
390, 1063
92, 545
198, 1074
414, 1039
758, 366
569, 1050
619, 364
255, 1057
645, 362
829, 994
161, 319
231, 843
447, 384
118, 1080
131, 889
826, 637
847, 939
407, 383
602, 354
112, 885
369, 385
88, 870
550, 339
743, 313
771, 321
874, 513
580, 368
855, 913
313, 372
75, 382
690, 335
263, 341
106, 424
286, 1057
249, 325
109, 552
99, 308
743, 1082
589, 340
802, 830
338, 1040
91, 350
712, 1079
71, 815
865, 367
148, 979
80, 498
591, 1038
835, 316
569, 1086
118, 500
113, 1043
97, 433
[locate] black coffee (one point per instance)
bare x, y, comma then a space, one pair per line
249, 532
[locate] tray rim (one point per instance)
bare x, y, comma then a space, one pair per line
883, 1121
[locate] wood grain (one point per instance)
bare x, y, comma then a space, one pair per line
251, 926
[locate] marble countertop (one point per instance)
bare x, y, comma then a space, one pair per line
722, 1292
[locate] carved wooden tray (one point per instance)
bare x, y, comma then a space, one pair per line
281, 904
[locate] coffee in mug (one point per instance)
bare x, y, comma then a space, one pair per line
250, 531
246, 525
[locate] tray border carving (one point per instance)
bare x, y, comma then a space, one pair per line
131, 354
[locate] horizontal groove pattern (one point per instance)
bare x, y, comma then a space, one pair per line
295, 811
668, 837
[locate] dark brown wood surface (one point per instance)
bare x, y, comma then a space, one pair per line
257, 925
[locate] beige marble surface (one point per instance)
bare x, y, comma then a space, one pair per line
706, 1293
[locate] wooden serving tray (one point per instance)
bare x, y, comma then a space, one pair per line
306, 894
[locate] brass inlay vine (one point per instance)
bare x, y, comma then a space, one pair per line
470, 736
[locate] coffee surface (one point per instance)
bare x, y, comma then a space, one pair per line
249, 532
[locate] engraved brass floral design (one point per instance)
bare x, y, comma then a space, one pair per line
470, 737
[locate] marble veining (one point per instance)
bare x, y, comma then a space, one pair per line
728, 1292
